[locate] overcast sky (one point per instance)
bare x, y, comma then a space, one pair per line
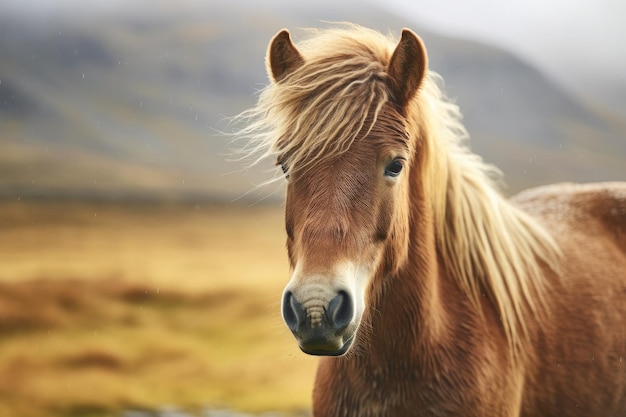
576, 38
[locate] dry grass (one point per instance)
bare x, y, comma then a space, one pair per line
105, 308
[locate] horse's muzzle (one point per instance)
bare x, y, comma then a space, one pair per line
321, 329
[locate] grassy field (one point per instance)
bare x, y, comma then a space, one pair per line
106, 308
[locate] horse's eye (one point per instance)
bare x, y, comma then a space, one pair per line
394, 168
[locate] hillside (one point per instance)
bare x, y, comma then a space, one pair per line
131, 105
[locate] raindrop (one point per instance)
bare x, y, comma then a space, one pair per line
83, 75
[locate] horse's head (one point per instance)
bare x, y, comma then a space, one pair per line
347, 194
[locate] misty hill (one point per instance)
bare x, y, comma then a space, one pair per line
130, 105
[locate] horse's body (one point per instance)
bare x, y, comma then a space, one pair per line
573, 367
430, 293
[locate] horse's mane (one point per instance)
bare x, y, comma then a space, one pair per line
485, 242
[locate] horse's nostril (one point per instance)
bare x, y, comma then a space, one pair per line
293, 314
340, 311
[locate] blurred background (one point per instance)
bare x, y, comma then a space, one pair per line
141, 267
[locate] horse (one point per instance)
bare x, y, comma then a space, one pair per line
423, 289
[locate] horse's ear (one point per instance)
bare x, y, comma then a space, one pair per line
407, 68
282, 56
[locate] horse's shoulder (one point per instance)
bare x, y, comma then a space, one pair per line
604, 201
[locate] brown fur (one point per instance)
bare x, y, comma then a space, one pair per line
474, 305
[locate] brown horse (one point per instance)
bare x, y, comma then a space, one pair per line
428, 293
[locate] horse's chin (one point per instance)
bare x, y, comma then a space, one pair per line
317, 349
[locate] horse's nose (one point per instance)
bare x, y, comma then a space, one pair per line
337, 315
321, 326
340, 311
293, 313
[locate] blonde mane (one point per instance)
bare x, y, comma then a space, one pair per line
487, 243
317, 111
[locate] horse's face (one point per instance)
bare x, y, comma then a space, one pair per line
344, 221
347, 214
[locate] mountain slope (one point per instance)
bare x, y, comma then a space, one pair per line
124, 106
